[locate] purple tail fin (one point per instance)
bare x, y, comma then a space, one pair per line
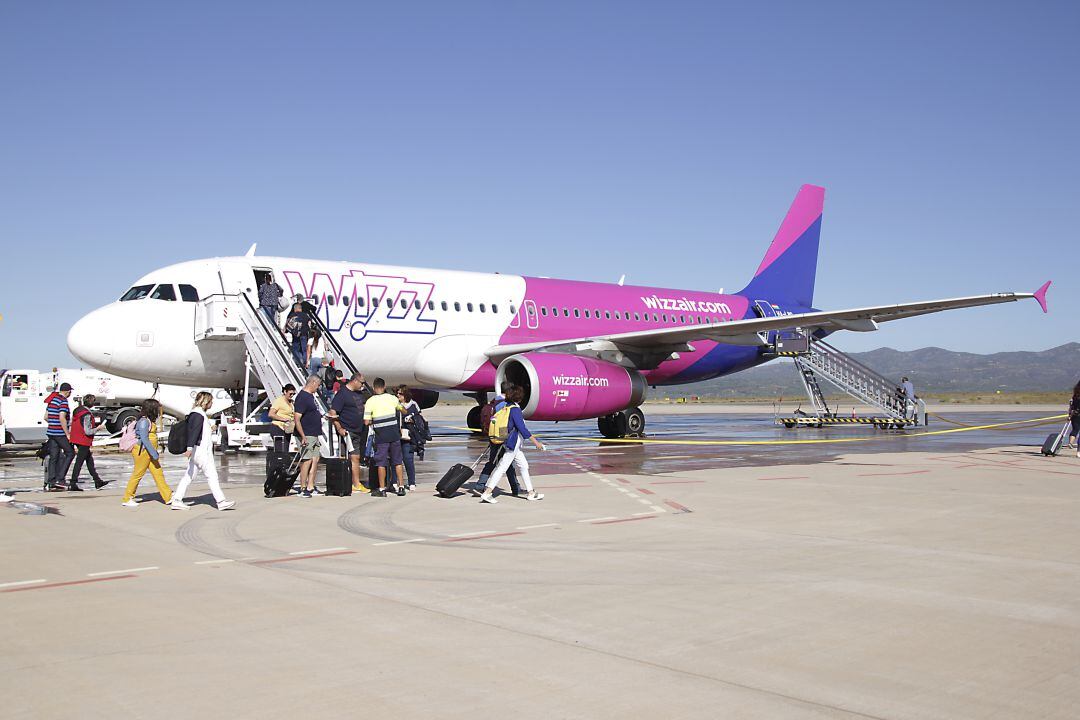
789, 268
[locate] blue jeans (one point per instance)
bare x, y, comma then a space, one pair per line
299, 349
270, 313
409, 462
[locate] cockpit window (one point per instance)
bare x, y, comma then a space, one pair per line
189, 293
136, 293
164, 292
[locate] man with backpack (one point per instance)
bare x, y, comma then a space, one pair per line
508, 429
495, 450
298, 325
82, 437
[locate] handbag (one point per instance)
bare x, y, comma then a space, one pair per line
290, 427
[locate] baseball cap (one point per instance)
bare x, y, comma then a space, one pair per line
65, 386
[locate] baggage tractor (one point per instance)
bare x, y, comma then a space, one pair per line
338, 474
1053, 442
455, 477
281, 471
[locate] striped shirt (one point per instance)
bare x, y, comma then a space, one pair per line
58, 405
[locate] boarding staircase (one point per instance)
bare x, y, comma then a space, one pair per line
821, 360
233, 318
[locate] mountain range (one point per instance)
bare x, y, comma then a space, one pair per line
932, 369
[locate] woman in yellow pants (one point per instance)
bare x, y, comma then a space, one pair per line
146, 455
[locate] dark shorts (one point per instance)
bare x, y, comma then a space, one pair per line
358, 438
388, 451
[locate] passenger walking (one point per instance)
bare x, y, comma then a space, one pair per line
282, 426
408, 449
909, 397
269, 296
348, 406
514, 452
308, 419
298, 326
146, 455
82, 437
57, 436
200, 455
382, 415
1074, 418
495, 449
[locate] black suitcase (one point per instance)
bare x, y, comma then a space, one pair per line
338, 475
1053, 442
455, 477
281, 471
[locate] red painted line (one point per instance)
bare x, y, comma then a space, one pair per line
303, 557
910, 472
675, 482
789, 477
482, 537
624, 481
677, 506
646, 491
69, 583
622, 520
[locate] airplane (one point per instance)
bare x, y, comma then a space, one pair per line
580, 350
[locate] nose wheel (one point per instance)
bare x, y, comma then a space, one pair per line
628, 423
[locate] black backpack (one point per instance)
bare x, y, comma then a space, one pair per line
177, 444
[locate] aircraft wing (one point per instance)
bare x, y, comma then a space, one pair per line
663, 341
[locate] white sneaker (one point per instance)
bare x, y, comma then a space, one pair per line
534, 496
487, 498
226, 505
178, 505
130, 503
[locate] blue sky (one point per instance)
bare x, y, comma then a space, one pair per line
579, 140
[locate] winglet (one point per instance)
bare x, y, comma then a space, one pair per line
251, 250
1040, 295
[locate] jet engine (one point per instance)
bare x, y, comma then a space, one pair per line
570, 387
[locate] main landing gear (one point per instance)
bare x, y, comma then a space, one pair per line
472, 420
628, 423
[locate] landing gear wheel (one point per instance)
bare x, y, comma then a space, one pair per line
473, 420
611, 426
635, 422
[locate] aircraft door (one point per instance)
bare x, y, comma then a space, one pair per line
764, 309
532, 319
238, 278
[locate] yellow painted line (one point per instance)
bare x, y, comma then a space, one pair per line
823, 441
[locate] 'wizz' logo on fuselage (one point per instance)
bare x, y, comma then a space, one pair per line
367, 303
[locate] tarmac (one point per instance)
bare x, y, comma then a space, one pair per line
901, 577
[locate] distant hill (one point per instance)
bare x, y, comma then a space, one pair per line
932, 369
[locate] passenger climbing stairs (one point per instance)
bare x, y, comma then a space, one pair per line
821, 360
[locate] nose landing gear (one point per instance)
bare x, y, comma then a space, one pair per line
628, 423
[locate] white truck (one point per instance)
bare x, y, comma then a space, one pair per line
23, 394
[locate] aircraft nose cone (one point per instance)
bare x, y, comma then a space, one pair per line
88, 340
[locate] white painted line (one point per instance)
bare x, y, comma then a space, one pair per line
534, 527
633, 495
312, 552
478, 532
213, 562
657, 508
21, 582
650, 512
646, 502
622, 490
598, 519
398, 542
119, 572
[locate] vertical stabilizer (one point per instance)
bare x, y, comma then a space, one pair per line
788, 270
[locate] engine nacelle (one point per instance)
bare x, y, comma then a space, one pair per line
425, 398
571, 387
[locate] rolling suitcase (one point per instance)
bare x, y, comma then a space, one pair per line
455, 477
1053, 442
281, 471
338, 474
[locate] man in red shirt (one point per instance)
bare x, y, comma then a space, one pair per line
82, 437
